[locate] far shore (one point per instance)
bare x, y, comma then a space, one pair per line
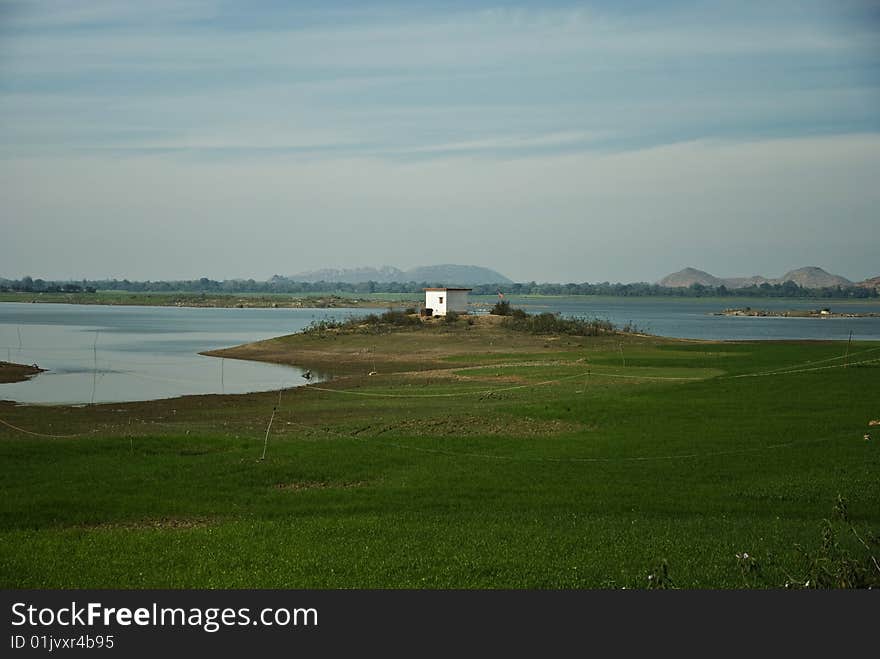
205, 300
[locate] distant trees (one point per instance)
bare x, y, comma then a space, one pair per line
279, 284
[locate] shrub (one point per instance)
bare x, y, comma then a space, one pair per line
845, 558
321, 326
401, 318
451, 316
549, 323
836, 565
371, 323
501, 308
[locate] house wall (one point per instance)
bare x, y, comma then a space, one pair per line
457, 301
432, 301
452, 301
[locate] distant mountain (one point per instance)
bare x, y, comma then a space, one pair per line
449, 274
745, 282
808, 277
872, 282
384, 274
813, 277
689, 277
456, 275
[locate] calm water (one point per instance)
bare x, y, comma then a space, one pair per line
692, 318
114, 354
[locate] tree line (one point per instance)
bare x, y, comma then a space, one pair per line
279, 284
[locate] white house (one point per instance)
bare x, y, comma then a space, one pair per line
443, 300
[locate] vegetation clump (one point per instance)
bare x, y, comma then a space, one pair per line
554, 323
845, 558
371, 323
836, 565
517, 320
501, 308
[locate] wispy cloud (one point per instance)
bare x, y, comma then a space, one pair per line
192, 70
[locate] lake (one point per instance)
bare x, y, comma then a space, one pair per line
118, 353
691, 318
114, 353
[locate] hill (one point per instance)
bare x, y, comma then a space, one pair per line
873, 282
814, 277
462, 275
807, 277
688, 277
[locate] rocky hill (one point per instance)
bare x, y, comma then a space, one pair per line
463, 275
449, 274
873, 282
689, 277
813, 277
807, 277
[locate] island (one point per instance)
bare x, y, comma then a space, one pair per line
793, 313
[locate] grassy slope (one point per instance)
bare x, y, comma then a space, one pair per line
584, 482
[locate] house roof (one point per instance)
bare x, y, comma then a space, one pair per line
448, 289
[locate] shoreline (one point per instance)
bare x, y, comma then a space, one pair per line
198, 300
328, 300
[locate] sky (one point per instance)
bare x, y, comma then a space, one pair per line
551, 141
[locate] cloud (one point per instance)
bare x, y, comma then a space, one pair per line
575, 143
739, 207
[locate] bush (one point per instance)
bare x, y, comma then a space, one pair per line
321, 326
400, 318
451, 316
549, 323
501, 308
371, 323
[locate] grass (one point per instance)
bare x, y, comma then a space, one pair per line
457, 466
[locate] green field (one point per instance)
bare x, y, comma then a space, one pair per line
474, 458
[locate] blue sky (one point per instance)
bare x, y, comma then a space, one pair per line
551, 141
